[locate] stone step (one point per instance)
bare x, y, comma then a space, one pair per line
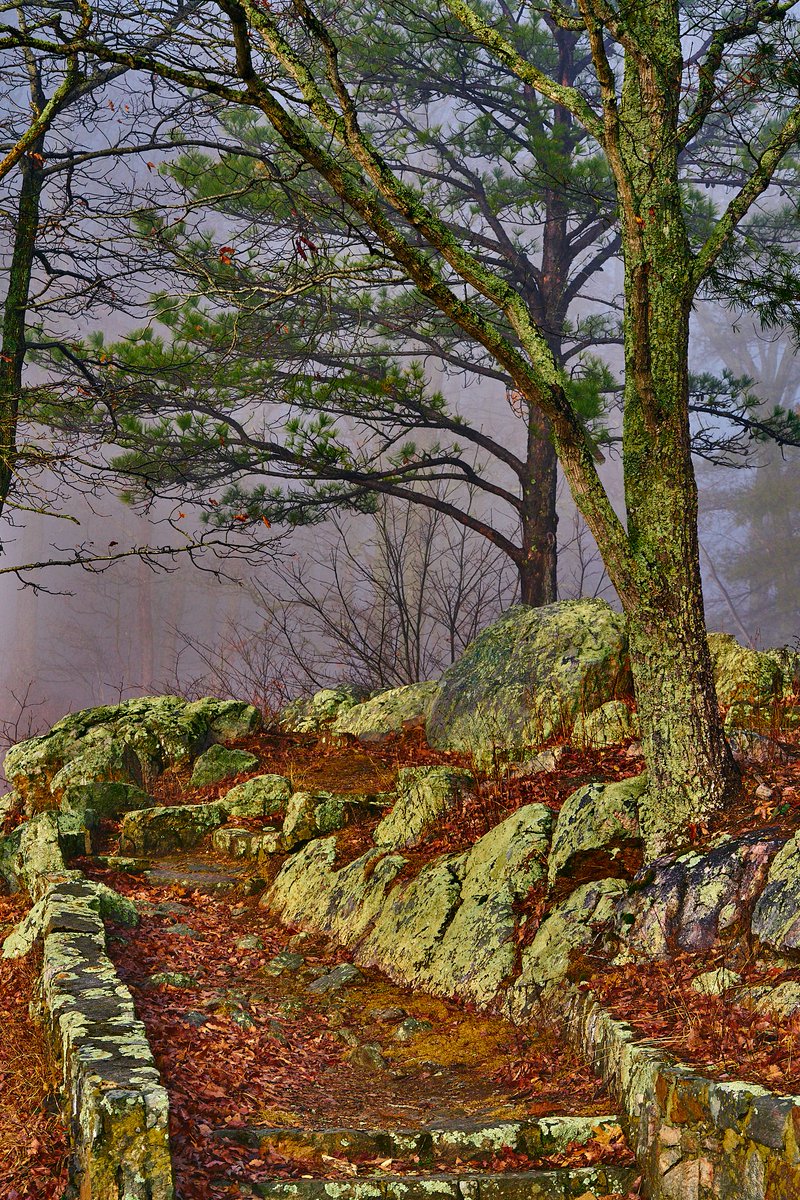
446, 1142
245, 843
564, 1183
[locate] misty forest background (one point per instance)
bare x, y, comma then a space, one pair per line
379, 598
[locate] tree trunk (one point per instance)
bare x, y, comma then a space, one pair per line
12, 355
539, 520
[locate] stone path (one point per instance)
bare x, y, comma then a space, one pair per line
412, 1096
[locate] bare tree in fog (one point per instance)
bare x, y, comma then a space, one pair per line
69, 132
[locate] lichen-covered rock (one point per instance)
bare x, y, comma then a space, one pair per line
310, 815
127, 743
608, 725
227, 720
779, 1002
220, 762
94, 801
776, 916
9, 853
571, 926
165, 829
695, 901
714, 983
312, 893
261, 796
424, 795
749, 682
40, 860
477, 953
389, 712
412, 922
595, 824
318, 712
528, 676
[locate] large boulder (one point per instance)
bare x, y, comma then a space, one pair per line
424, 795
316, 713
312, 892
129, 743
477, 954
776, 916
389, 712
527, 678
451, 929
696, 901
597, 828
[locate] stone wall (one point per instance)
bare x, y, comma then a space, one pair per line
695, 1138
114, 1102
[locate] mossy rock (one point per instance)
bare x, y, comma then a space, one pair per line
311, 893
478, 951
776, 916
130, 743
261, 796
393, 711
94, 801
527, 677
220, 762
595, 824
609, 725
166, 829
227, 720
318, 712
750, 683
424, 795
311, 815
569, 927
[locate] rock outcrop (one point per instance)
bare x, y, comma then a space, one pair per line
424, 795
129, 743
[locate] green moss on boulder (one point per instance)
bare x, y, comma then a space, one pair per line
165, 829
220, 762
393, 711
261, 796
527, 677
595, 823
749, 682
310, 815
609, 725
318, 712
128, 743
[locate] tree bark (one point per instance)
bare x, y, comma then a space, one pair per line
12, 355
538, 560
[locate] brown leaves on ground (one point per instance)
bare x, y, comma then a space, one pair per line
33, 1149
727, 1037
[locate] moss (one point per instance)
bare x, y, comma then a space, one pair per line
219, 762
389, 712
528, 677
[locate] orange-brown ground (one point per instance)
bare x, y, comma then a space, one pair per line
33, 1147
